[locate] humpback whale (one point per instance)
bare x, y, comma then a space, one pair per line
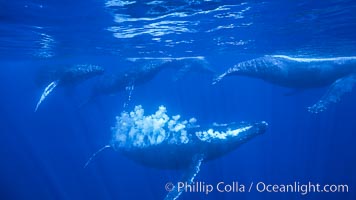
169, 142
70, 76
302, 73
148, 68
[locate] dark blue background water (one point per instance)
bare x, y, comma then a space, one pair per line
42, 154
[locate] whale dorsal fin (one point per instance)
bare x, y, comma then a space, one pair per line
50, 87
188, 177
334, 93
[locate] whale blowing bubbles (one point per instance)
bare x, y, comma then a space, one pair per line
169, 142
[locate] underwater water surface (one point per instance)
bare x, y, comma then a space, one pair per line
43, 153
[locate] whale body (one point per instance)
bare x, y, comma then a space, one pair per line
301, 73
68, 77
146, 69
79, 73
114, 83
168, 142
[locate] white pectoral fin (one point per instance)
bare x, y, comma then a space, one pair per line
227, 73
187, 179
95, 154
334, 93
218, 78
46, 92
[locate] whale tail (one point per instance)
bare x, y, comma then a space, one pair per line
46, 92
95, 154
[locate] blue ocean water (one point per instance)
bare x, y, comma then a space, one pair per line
42, 153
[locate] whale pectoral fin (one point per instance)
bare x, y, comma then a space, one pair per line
95, 154
229, 72
217, 79
187, 179
334, 93
50, 87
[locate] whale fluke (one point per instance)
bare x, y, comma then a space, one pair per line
46, 92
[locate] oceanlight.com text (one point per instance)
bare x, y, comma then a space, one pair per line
261, 187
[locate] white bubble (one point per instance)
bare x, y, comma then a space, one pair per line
134, 129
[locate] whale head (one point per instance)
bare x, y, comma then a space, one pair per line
163, 141
220, 139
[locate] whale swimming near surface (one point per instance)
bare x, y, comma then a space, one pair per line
168, 142
302, 73
146, 69
69, 76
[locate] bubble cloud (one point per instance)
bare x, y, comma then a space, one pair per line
134, 129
